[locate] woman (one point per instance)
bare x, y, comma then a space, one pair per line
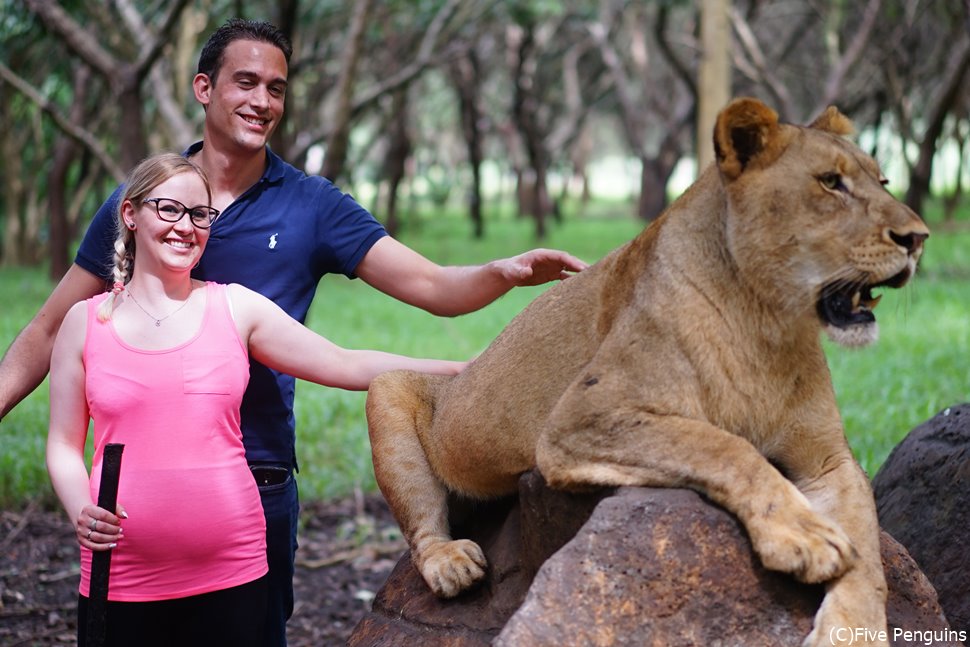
160, 364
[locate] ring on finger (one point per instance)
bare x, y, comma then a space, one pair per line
94, 524
89, 534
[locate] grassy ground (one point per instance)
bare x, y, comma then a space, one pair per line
917, 368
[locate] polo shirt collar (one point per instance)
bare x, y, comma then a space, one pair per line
275, 167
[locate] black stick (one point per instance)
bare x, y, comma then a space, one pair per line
101, 560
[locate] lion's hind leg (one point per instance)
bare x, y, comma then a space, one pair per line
400, 406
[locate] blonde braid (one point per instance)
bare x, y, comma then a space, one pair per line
121, 271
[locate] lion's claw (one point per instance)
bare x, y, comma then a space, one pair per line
808, 546
451, 567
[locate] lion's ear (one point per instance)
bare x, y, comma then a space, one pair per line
834, 122
746, 131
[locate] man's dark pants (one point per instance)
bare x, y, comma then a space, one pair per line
281, 505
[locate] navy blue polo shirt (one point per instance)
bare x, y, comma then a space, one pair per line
278, 238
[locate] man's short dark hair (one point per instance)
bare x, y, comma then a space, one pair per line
211, 58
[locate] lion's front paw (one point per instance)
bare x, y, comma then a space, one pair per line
451, 567
804, 544
836, 625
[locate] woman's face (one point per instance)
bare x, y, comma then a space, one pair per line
163, 246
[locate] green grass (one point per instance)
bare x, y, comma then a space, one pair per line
918, 367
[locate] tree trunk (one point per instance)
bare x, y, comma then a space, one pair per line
65, 152
134, 145
465, 74
124, 78
397, 155
920, 173
653, 189
951, 201
655, 175
286, 21
579, 156
524, 107
714, 75
11, 166
338, 142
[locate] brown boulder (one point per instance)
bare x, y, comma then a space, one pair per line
405, 612
923, 499
633, 566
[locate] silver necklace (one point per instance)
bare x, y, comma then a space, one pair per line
158, 320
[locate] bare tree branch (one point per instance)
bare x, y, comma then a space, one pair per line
123, 77
75, 36
759, 64
833, 86
421, 62
159, 39
935, 116
576, 109
621, 84
180, 128
422, 59
339, 139
72, 130
681, 71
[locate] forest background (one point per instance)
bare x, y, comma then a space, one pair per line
479, 128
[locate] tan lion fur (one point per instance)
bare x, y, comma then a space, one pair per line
689, 357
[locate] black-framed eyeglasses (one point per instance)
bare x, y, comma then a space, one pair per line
171, 210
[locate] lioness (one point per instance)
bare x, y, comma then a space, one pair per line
689, 357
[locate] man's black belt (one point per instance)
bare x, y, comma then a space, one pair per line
269, 475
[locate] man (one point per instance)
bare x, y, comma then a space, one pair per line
280, 231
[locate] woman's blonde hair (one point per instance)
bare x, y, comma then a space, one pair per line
142, 179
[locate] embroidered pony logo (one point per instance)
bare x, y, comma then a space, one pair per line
272, 241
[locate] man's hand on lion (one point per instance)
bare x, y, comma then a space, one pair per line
537, 267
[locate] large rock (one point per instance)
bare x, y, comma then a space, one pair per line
517, 534
923, 498
635, 566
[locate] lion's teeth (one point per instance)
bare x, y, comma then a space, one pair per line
856, 299
873, 302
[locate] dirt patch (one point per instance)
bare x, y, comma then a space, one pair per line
347, 550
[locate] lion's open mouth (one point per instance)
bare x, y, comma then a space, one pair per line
851, 304
848, 306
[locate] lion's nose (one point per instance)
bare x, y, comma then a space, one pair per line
912, 242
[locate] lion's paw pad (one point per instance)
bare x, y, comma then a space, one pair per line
451, 567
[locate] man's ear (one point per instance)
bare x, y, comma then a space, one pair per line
202, 87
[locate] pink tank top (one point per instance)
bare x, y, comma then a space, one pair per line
195, 520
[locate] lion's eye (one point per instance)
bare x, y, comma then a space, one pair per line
832, 182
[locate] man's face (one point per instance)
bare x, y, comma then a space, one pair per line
245, 104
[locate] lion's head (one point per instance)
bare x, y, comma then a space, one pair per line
810, 223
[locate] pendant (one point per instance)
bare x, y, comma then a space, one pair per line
158, 323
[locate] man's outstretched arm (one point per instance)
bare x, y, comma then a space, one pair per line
28, 360
449, 290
